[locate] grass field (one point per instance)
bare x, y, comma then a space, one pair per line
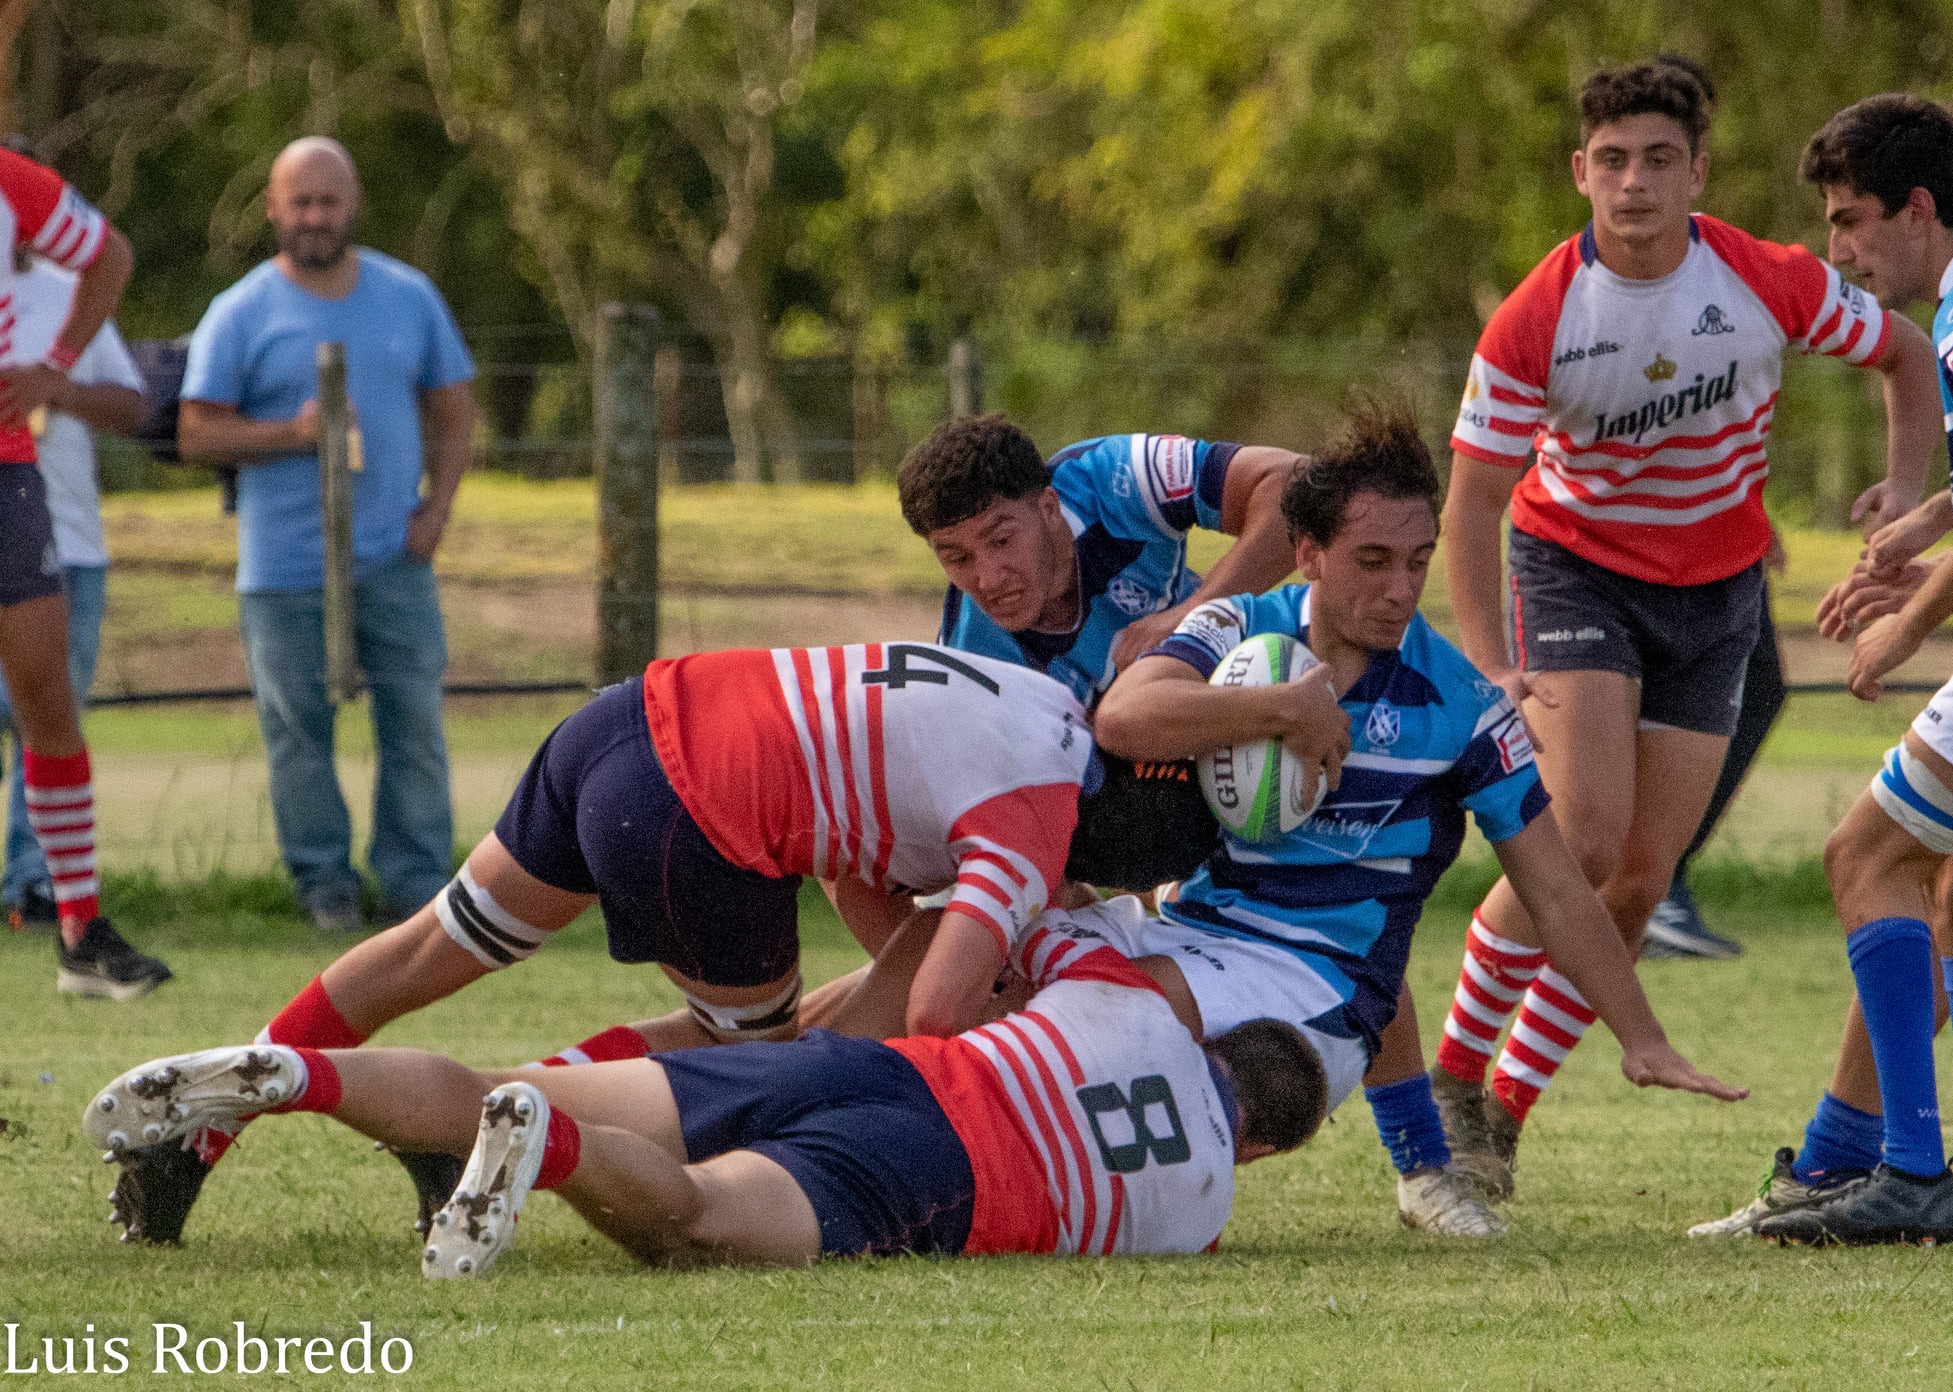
303, 1230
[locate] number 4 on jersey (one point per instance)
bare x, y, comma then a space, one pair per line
899, 674
1101, 1099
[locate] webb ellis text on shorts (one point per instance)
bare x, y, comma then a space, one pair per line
174, 1348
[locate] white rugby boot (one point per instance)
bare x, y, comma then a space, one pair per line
171, 1097
1446, 1201
478, 1223
1780, 1192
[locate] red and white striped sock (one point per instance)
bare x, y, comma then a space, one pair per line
61, 809
617, 1042
1491, 984
1551, 1022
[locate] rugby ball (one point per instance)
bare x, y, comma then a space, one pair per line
1259, 791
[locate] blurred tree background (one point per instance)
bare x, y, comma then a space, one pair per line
1212, 216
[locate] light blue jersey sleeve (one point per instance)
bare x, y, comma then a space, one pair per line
1496, 778
1943, 350
1144, 486
1213, 630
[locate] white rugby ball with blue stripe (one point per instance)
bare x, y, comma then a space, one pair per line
1259, 791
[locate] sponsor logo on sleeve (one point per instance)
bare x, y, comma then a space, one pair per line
1170, 467
1515, 750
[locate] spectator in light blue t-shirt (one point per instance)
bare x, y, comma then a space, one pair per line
250, 397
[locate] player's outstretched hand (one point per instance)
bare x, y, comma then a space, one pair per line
1880, 648
1661, 1066
1859, 598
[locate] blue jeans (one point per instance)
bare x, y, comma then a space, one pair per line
402, 649
87, 590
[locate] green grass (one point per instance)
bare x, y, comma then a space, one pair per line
819, 537
303, 1230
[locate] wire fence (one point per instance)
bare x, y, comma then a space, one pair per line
850, 420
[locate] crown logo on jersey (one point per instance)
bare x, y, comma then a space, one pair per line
1660, 370
1471, 384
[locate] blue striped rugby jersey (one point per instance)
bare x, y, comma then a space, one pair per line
1130, 501
1430, 740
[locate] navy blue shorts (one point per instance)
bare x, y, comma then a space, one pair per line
595, 814
28, 566
851, 1120
1688, 645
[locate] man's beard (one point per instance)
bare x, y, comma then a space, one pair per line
303, 247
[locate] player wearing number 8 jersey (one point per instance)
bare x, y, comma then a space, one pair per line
1091, 1122
689, 802
1619, 402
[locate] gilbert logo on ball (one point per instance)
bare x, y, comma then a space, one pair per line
1259, 791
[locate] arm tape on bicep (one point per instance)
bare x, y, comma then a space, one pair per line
483, 928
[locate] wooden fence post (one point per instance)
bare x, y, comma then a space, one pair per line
965, 380
336, 464
627, 491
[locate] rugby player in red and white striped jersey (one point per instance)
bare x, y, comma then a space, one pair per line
1619, 403
1091, 1122
688, 803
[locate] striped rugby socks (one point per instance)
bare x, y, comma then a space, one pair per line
61, 810
1551, 1020
1491, 984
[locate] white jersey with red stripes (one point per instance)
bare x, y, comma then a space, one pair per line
1646, 403
1092, 1117
903, 764
40, 212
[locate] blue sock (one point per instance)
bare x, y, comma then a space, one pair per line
1946, 974
1407, 1121
1839, 1137
1892, 959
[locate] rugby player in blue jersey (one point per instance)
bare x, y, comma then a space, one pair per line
1076, 566
1316, 928
1885, 166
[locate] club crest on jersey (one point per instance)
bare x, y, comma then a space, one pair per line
1131, 596
1384, 725
1700, 395
1170, 467
1346, 829
1713, 321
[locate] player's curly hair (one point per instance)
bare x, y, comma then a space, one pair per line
1887, 146
1379, 451
963, 468
1671, 85
1279, 1081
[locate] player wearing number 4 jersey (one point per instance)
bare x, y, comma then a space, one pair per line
688, 803
1089, 1123
1619, 402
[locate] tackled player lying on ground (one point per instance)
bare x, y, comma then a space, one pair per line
1092, 1123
